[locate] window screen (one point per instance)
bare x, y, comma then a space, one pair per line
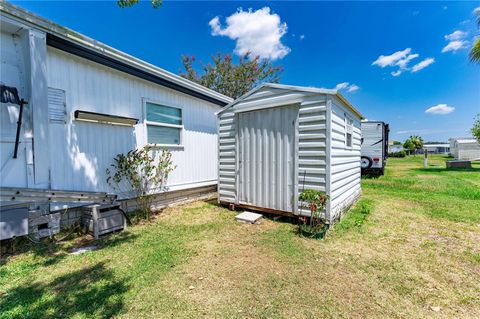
164, 124
348, 132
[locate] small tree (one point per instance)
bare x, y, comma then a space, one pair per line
413, 144
408, 145
230, 78
476, 128
142, 174
316, 201
417, 143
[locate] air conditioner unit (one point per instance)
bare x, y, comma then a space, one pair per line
103, 219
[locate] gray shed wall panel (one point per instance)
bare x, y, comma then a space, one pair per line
266, 152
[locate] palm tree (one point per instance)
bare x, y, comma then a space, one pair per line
417, 142
475, 52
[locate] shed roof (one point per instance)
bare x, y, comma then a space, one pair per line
464, 140
294, 88
76, 43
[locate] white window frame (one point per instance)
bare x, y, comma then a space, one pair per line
349, 128
151, 123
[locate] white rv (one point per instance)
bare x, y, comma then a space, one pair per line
374, 147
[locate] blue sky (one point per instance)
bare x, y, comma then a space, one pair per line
321, 44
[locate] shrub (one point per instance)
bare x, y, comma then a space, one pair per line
142, 173
397, 154
316, 202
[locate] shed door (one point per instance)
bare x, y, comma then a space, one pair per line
266, 158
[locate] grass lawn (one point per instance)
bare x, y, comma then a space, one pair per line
413, 251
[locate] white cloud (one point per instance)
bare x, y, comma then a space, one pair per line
302, 36
456, 35
423, 64
396, 73
401, 59
347, 86
476, 10
456, 41
429, 131
353, 88
440, 109
455, 45
391, 60
258, 32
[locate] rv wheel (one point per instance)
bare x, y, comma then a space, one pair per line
365, 162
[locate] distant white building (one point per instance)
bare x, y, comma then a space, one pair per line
395, 148
437, 148
465, 148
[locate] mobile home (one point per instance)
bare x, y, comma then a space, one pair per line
278, 140
87, 102
465, 148
374, 146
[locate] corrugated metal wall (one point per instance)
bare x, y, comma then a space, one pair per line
344, 161
84, 150
266, 157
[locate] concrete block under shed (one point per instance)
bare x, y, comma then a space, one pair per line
459, 164
43, 224
249, 217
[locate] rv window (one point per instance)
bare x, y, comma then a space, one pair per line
348, 132
164, 124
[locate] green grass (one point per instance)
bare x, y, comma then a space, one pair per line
409, 244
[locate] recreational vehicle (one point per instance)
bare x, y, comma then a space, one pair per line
374, 147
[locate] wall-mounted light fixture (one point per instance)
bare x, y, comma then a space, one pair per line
104, 118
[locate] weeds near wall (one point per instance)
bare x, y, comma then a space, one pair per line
142, 174
355, 218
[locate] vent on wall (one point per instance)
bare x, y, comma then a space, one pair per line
57, 106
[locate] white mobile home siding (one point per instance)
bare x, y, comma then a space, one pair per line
85, 150
322, 161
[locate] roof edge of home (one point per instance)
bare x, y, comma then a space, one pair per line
76, 43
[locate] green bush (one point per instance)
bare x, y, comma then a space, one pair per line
397, 154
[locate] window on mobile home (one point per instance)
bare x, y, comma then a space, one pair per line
348, 132
164, 124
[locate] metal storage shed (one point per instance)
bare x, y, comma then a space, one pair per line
465, 148
278, 140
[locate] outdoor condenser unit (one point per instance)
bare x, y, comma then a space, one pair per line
103, 219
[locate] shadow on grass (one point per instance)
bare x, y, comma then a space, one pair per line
444, 169
371, 176
93, 291
48, 252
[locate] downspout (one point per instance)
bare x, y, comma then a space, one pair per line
19, 126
